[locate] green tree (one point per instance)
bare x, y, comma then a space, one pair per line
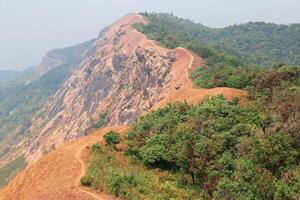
275, 153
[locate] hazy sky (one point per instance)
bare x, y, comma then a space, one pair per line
30, 28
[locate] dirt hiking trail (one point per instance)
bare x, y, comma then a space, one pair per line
56, 176
181, 87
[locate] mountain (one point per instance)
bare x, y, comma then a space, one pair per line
67, 58
95, 85
123, 76
125, 81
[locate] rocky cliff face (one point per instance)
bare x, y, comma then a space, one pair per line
122, 76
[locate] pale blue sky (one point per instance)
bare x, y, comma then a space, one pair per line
30, 28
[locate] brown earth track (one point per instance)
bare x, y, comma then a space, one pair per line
56, 176
181, 88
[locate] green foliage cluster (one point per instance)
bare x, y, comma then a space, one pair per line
228, 52
219, 149
255, 43
111, 172
223, 148
112, 138
244, 77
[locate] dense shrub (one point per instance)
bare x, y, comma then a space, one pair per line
86, 180
226, 149
118, 184
97, 148
112, 138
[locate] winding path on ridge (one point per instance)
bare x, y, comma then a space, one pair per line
181, 88
190, 66
82, 173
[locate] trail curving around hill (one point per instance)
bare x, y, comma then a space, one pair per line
83, 163
181, 88
82, 173
190, 66
57, 175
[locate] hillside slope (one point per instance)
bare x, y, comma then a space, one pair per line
161, 76
22, 98
121, 77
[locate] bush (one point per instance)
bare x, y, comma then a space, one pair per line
112, 138
112, 173
118, 184
97, 148
86, 180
